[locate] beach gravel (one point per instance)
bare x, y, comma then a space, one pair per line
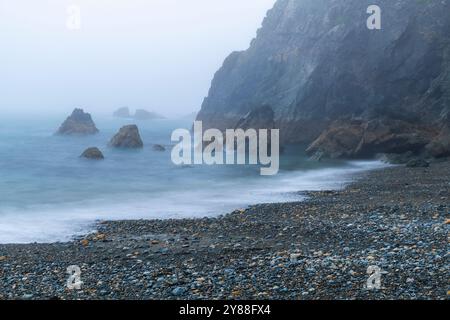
395, 219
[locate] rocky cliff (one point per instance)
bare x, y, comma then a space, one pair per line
333, 83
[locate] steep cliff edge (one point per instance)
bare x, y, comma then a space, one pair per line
325, 75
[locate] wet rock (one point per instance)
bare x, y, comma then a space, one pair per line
127, 137
417, 163
360, 138
78, 122
179, 291
92, 153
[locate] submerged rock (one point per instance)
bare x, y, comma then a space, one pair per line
158, 147
79, 122
127, 137
92, 153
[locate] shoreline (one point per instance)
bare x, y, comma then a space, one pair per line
64, 223
319, 248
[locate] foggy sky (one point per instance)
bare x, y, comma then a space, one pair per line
155, 54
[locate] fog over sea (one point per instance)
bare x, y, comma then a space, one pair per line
49, 194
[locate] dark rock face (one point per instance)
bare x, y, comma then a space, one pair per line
359, 138
78, 122
315, 62
127, 137
92, 153
259, 118
122, 113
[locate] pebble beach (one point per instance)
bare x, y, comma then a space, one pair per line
395, 219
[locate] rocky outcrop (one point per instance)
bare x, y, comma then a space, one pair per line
78, 122
123, 112
142, 114
439, 146
315, 63
127, 137
93, 154
360, 138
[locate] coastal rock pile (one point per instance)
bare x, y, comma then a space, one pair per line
78, 122
127, 137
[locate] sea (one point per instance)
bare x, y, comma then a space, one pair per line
49, 194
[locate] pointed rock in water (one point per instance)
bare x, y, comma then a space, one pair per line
158, 147
78, 122
127, 137
92, 153
122, 113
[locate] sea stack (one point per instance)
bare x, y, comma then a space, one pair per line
142, 114
122, 113
127, 137
92, 153
78, 123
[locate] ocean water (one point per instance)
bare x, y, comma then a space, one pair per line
49, 194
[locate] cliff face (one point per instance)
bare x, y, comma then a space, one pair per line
317, 65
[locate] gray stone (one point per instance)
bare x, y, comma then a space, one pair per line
78, 123
127, 137
92, 153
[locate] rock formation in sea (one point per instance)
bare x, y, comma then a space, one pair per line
123, 112
142, 114
339, 87
127, 137
79, 122
92, 153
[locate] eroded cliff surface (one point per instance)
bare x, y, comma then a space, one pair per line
317, 65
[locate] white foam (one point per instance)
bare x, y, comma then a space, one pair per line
44, 224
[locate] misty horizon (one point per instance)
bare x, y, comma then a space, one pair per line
111, 61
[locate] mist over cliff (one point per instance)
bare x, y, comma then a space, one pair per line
335, 84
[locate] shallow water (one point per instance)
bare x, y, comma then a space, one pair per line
49, 194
